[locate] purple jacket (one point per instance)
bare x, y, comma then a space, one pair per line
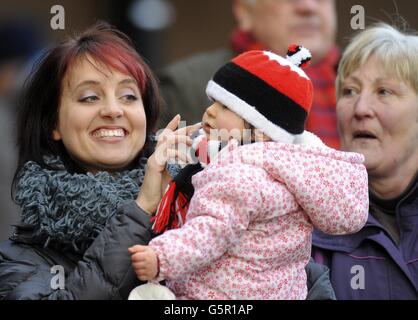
368, 264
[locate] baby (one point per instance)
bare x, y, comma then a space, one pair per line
249, 223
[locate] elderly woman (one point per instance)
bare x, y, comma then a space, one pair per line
86, 180
377, 93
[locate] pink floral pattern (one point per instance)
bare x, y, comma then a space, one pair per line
249, 225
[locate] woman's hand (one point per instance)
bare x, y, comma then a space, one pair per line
167, 148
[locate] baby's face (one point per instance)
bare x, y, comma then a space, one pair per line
220, 123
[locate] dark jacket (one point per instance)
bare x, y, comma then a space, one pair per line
319, 282
390, 270
103, 272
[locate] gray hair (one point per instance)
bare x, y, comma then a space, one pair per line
396, 51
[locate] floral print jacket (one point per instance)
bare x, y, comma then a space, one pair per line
249, 225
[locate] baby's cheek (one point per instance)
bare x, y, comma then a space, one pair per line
231, 123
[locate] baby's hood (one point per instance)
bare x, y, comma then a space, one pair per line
328, 184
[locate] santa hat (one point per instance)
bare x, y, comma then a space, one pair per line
268, 91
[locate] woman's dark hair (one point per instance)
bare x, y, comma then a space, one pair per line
38, 113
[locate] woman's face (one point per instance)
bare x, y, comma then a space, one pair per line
378, 117
101, 120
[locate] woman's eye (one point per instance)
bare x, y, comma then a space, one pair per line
348, 92
89, 99
384, 92
129, 98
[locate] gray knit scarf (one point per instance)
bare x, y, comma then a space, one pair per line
69, 210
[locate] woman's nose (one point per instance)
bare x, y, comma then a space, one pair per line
364, 106
112, 109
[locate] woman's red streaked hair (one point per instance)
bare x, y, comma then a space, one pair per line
38, 115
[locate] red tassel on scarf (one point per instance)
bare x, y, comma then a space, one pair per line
171, 212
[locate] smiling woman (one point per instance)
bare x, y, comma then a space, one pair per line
88, 176
105, 113
97, 79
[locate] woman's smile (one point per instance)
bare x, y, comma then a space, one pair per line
109, 134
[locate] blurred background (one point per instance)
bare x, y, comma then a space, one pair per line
163, 32
166, 30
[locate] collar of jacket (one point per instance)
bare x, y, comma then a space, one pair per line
24, 233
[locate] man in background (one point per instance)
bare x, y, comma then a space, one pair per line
268, 25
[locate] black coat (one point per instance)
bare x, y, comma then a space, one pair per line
103, 272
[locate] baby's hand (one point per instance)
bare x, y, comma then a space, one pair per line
144, 261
